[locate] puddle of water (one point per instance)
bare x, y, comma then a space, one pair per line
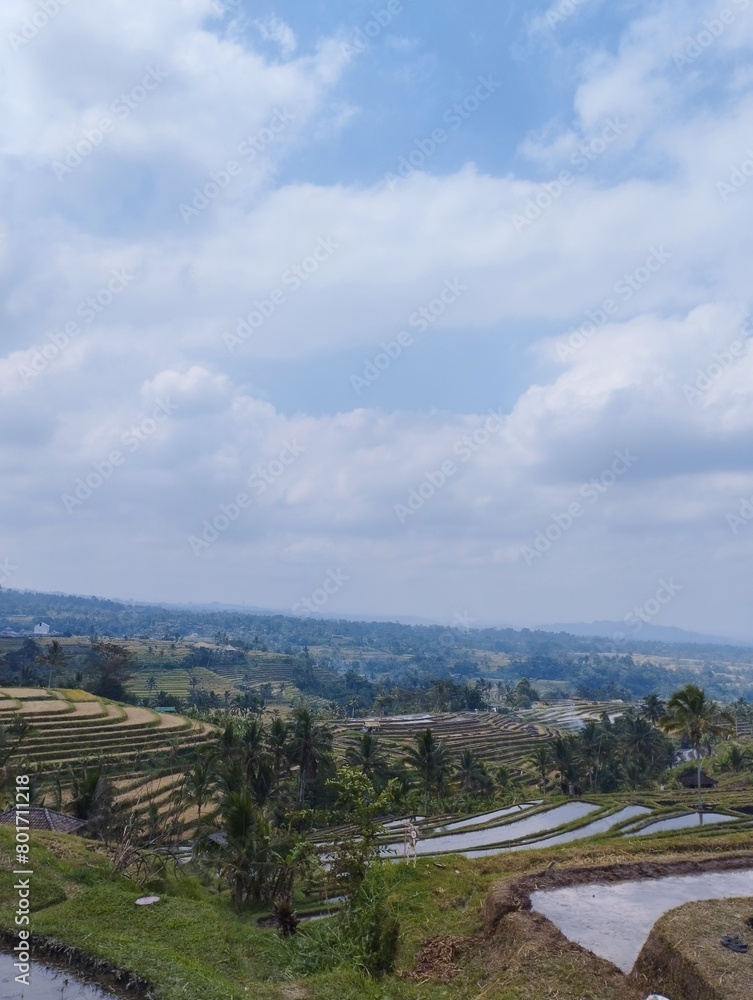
45, 983
614, 921
459, 842
598, 826
680, 822
462, 824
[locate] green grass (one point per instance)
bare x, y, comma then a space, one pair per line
192, 945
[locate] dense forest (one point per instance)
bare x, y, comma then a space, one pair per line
340, 659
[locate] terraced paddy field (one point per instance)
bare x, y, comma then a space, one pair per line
495, 739
145, 751
541, 825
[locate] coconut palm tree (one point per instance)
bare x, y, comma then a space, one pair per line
200, 781
54, 658
472, 774
278, 741
541, 759
368, 757
691, 715
310, 747
653, 708
430, 759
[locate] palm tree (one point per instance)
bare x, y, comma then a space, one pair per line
54, 658
638, 738
653, 708
368, 757
91, 797
151, 683
277, 740
690, 714
736, 758
541, 760
430, 759
199, 782
241, 846
310, 747
472, 773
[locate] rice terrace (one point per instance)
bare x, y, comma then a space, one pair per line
313, 807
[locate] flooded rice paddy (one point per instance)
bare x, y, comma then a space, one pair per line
45, 983
614, 921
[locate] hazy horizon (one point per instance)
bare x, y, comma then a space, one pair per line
432, 312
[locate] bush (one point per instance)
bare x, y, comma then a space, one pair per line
365, 937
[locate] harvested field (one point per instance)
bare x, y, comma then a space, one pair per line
23, 693
49, 705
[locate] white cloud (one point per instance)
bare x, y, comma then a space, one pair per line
390, 252
273, 29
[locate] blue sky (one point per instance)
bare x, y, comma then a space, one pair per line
245, 351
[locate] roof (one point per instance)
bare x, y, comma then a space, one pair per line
41, 818
691, 780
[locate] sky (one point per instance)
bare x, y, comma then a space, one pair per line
382, 309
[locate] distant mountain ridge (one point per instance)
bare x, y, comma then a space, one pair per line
655, 633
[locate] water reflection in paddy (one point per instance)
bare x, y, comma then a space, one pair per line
614, 921
681, 822
529, 825
462, 824
45, 983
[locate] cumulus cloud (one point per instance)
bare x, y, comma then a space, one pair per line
631, 271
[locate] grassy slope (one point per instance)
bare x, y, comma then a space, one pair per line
191, 945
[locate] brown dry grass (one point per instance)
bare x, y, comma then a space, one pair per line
685, 957
35, 707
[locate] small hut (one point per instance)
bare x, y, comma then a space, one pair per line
691, 780
41, 818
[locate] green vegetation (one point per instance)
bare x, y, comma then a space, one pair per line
297, 743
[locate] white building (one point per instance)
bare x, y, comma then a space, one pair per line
42, 629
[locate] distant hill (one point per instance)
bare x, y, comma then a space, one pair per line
649, 633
